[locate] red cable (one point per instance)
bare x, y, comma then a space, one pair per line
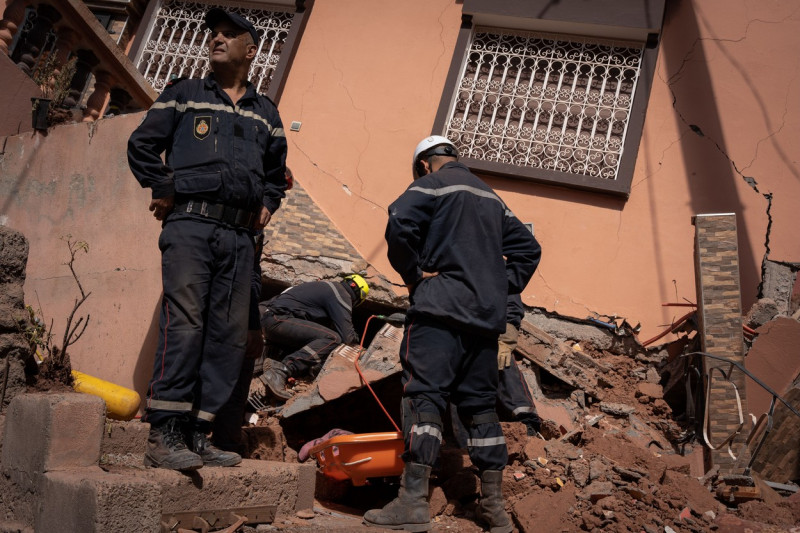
358, 369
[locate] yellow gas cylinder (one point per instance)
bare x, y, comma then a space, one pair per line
121, 403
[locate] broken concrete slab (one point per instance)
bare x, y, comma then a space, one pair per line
571, 366
773, 359
761, 312
339, 376
779, 458
778, 281
45, 432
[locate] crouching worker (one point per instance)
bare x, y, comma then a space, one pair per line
307, 321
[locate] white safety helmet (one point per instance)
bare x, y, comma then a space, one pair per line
433, 145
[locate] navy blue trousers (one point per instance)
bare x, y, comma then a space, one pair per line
442, 365
206, 270
309, 343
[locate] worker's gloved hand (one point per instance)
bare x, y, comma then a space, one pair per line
503, 356
505, 346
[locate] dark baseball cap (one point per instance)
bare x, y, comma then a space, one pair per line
217, 15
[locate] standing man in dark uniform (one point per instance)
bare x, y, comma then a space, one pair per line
447, 236
309, 321
222, 178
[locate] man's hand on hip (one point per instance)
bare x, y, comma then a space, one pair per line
263, 219
161, 207
425, 275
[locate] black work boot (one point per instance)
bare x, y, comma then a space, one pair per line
410, 510
275, 378
491, 508
210, 454
167, 449
533, 423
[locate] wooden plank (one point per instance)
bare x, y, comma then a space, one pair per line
572, 367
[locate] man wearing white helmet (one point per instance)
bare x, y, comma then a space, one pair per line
461, 252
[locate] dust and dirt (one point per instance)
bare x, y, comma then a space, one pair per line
621, 470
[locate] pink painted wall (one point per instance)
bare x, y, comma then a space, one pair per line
75, 181
367, 81
366, 84
15, 104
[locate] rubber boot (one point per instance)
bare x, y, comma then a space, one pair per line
491, 508
275, 378
210, 454
166, 448
410, 510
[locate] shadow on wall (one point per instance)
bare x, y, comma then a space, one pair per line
708, 167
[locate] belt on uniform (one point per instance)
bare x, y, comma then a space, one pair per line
224, 213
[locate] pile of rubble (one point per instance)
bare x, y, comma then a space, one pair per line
611, 456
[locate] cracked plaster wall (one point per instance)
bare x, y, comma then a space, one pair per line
719, 136
75, 181
366, 84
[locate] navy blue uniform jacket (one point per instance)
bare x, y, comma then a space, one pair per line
215, 151
514, 310
452, 223
321, 302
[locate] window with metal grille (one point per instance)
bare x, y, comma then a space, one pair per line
177, 42
545, 101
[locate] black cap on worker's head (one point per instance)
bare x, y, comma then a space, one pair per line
217, 15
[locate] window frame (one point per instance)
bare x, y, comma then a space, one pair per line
595, 23
302, 9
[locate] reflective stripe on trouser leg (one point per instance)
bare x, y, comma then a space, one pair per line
486, 444
422, 428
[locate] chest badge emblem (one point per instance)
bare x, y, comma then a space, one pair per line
202, 127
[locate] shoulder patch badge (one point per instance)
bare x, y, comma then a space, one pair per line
202, 127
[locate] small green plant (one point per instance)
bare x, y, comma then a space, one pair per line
38, 334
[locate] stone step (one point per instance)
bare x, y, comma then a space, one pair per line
287, 486
67, 469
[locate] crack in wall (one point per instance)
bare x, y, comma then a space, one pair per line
441, 41
751, 181
356, 108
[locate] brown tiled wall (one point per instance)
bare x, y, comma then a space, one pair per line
301, 228
720, 316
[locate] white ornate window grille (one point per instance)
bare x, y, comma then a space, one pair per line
177, 45
546, 101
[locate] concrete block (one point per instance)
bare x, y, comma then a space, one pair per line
289, 486
46, 432
124, 436
90, 500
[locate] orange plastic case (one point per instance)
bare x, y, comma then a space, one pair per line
360, 456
